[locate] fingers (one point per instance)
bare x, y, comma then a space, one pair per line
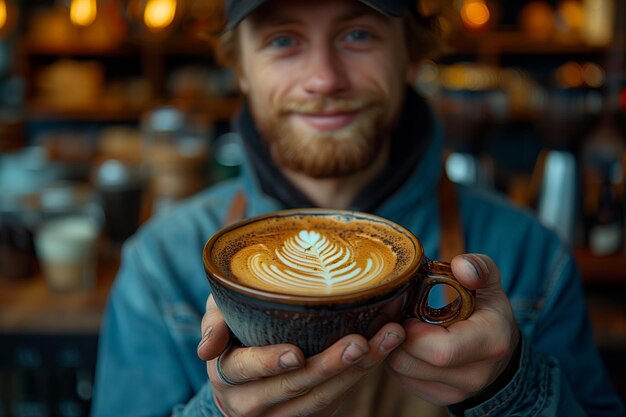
260, 396
215, 332
351, 352
345, 353
467, 375
326, 394
491, 328
315, 385
461, 343
241, 365
434, 365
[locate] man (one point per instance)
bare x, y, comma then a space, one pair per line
330, 121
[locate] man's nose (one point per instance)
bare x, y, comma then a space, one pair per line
325, 72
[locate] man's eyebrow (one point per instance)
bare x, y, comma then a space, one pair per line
272, 19
268, 15
363, 11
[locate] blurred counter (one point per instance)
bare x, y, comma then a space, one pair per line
29, 306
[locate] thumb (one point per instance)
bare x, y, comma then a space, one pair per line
476, 271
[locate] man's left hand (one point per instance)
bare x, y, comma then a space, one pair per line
448, 365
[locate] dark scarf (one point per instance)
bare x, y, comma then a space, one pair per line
409, 141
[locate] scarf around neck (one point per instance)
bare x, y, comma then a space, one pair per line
408, 142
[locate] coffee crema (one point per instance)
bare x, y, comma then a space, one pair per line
314, 255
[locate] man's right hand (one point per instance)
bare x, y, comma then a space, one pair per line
277, 381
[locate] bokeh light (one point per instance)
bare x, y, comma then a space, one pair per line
475, 14
83, 12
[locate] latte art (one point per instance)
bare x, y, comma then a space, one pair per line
312, 254
312, 262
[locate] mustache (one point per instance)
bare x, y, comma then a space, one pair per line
326, 104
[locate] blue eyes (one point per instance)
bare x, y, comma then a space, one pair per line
358, 36
283, 42
287, 41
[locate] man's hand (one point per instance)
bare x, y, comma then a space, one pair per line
446, 366
277, 380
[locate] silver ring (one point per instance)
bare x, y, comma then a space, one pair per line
220, 371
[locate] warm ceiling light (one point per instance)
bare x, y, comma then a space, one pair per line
475, 14
3, 13
8, 17
572, 14
159, 14
83, 12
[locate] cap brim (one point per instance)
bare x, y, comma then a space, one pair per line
395, 9
241, 11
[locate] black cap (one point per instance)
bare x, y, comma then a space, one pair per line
237, 10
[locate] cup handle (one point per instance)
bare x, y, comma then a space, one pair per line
440, 273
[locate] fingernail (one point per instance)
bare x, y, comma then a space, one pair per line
206, 335
477, 269
207, 332
353, 352
201, 344
289, 360
391, 341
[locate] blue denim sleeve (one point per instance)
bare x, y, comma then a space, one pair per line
202, 405
140, 370
537, 389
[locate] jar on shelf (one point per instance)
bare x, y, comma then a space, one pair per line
67, 236
177, 149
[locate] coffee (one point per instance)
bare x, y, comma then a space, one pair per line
311, 276
314, 255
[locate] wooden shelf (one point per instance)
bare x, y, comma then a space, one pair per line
38, 111
29, 306
180, 45
137, 47
219, 108
151, 59
516, 43
78, 49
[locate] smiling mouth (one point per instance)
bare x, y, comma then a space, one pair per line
327, 121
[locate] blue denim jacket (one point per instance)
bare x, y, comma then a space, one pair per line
147, 363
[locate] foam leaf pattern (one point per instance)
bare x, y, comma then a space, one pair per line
311, 261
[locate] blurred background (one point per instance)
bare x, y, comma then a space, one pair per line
113, 111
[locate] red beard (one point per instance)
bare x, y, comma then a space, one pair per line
327, 154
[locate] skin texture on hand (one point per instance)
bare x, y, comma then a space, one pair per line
447, 366
277, 381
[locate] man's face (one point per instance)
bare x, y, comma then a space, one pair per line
325, 81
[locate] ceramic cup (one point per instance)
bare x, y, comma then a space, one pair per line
311, 276
67, 251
